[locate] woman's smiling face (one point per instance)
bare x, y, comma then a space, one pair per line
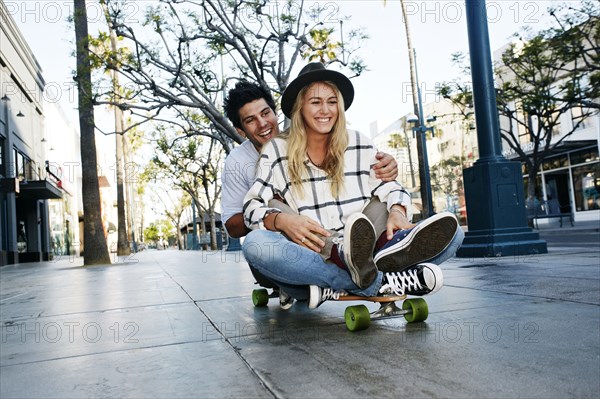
319, 108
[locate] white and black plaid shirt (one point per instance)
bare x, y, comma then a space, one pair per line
318, 203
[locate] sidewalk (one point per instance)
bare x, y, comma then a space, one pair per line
181, 324
578, 227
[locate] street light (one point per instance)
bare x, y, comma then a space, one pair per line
420, 130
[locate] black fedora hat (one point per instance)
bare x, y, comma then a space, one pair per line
315, 72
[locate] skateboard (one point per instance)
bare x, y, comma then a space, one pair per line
358, 317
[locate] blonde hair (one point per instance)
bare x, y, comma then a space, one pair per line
333, 164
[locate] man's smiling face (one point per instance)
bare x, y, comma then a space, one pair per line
259, 122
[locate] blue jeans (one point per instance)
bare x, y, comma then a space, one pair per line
293, 265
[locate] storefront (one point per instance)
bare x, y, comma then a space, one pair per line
572, 177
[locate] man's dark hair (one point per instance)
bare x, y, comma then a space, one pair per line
243, 93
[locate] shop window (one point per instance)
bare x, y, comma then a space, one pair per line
538, 186
555, 162
19, 165
586, 182
21, 237
24, 166
585, 156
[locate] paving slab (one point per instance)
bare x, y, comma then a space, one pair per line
192, 370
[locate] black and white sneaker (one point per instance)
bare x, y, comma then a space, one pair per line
318, 295
419, 280
357, 250
419, 244
285, 301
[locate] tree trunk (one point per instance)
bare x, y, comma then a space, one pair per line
178, 233
213, 231
96, 249
532, 177
122, 241
128, 185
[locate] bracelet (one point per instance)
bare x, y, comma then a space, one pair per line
275, 221
398, 210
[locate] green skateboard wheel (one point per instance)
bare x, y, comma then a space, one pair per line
357, 318
260, 297
418, 310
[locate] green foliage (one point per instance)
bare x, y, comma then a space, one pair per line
160, 230
151, 233
447, 175
322, 47
398, 140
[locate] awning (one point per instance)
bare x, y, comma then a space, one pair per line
39, 190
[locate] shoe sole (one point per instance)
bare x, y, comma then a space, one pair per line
438, 277
314, 297
361, 243
424, 242
285, 305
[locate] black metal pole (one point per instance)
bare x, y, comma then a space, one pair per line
497, 219
482, 74
426, 196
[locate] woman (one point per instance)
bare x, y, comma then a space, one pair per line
323, 172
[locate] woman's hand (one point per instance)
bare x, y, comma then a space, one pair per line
397, 220
302, 230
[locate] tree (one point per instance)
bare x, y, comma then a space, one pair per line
123, 248
95, 246
447, 176
193, 165
151, 233
174, 211
400, 140
578, 28
542, 77
174, 71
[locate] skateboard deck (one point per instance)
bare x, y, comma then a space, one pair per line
358, 317
377, 299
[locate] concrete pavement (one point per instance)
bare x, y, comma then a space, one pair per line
181, 324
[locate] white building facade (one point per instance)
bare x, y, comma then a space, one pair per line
29, 179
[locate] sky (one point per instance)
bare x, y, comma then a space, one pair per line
438, 29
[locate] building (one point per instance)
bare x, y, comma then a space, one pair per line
452, 137
36, 207
570, 174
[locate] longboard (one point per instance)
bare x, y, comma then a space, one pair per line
358, 317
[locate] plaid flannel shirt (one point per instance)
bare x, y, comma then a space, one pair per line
360, 186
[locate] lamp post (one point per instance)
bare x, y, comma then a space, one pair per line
493, 185
420, 130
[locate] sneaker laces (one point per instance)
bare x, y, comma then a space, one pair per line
329, 293
401, 282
